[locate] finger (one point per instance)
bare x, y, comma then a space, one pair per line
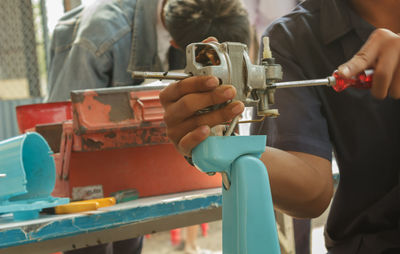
191, 103
192, 139
364, 58
394, 90
210, 39
383, 73
211, 119
175, 91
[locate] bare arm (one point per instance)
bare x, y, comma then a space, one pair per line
301, 183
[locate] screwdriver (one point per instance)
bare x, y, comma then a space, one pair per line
362, 80
81, 206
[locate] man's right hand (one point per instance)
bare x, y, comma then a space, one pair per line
382, 53
181, 102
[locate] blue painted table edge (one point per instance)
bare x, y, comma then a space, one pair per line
57, 226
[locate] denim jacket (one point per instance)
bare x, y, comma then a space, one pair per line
100, 45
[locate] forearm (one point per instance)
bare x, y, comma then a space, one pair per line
299, 189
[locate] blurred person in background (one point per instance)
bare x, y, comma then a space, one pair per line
101, 44
261, 15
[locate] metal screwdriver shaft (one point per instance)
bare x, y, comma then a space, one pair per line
229, 131
362, 80
330, 81
160, 75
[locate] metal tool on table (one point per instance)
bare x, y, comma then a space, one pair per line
81, 206
125, 195
248, 215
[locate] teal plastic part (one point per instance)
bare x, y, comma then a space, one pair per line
13, 181
216, 153
248, 217
26, 215
28, 176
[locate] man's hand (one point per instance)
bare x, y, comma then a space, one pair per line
181, 102
382, 53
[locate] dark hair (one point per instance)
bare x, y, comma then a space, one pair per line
194, 20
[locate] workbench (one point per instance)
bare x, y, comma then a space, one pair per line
53, 233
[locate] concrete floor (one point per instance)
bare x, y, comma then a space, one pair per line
160, 243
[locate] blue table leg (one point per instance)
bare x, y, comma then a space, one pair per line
248, 217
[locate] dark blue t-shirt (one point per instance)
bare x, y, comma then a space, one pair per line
364, 132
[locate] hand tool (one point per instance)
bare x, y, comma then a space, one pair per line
362, 80
81, 206
125, 195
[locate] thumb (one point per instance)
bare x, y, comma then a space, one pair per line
363, 59
210, 39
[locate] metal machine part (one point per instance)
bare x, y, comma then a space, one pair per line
330, 81
255, 84
160, 75
230, 63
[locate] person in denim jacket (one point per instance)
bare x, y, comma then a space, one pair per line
100, 45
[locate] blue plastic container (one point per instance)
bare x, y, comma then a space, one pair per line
27, 176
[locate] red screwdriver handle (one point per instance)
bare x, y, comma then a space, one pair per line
362, 80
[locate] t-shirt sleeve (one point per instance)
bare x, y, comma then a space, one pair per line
301, 126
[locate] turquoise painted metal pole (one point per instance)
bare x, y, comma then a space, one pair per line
247, 211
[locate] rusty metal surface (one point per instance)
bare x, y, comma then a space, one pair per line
62, 161
120, 138
52, 133
117, 118
151, 170
117, 140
